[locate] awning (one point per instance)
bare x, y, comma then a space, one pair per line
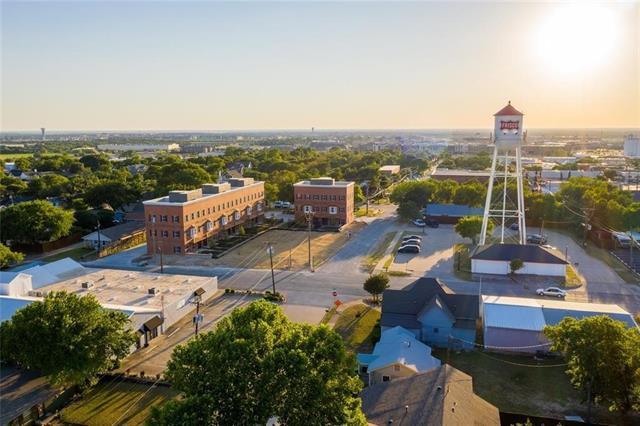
152, 323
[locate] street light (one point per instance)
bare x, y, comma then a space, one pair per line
197, 298
273, 277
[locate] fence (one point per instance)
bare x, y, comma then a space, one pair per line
126, 242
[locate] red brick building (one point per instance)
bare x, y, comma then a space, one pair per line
329, 202
185, 221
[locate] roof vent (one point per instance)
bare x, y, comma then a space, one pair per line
153, 291
87, 285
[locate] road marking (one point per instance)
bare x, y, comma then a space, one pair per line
174, 332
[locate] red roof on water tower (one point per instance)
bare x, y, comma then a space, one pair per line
508, 110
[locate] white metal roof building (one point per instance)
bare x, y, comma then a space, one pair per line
515, 324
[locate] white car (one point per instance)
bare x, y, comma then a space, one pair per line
409, 241
551, 292
419, 223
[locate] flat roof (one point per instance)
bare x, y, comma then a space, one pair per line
130, 289
461, 172
164, 200
341, 183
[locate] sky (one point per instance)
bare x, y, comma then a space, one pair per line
296, 65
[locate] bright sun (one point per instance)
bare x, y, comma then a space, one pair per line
576, 38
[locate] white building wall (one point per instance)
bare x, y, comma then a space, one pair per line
632, 146
20, 285
499, 267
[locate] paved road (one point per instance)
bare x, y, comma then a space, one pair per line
349, 258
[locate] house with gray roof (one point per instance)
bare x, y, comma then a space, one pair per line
442, 396
537, 260
433, 313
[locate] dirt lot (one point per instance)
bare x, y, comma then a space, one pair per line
253, 254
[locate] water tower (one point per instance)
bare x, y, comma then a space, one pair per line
43, 130
500, 206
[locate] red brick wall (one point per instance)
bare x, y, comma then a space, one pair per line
321, 198
195, 214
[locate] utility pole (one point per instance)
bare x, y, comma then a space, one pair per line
273, 277
309, 216
367, 198
161, 260
197, 314
99, 243
541, 226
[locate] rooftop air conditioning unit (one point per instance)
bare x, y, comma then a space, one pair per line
34, 293
153, 291
87, 285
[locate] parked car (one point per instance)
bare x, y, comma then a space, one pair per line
419, 222
431, 223
514, 226
537, 239
411, 241
286, 205
277, 204
551, 292
409, 248
412, 237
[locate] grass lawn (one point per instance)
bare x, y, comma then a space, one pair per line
121, 402
362, 212
573, 279
371, 260
537, 391
357, 326
75, 254
6, 156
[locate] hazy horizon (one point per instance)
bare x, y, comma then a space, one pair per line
262, 66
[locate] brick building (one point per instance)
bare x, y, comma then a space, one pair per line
330, 202
185, 221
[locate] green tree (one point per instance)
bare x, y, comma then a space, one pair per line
8, 257
66, 337
375, 285
603, 358
257, 364
408, 210
471, 194
515, 265
34, 221
114, 193
49, 186
471, 227
10, 185
96, 162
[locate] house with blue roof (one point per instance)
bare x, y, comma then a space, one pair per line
397, 354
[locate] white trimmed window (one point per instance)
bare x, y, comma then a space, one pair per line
223, 220
209, 226
333, 210
259, 206
236, 215
192, 232
308, 209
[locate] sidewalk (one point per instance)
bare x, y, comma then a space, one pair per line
388, 252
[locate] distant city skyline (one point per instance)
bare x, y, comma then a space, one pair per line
241, 66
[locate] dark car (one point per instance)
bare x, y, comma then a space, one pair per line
410, 248
431, 223
412, 237
514, 226
536, 239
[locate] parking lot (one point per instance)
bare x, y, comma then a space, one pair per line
436, 257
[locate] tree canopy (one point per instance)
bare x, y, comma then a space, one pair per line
34, 221
471, 227
256, 365
376, 285
603, 356
8, 257
68, 338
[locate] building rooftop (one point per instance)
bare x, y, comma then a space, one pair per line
323, 182
453, 210
526, 252
460, 172
401, 307
130, 288
118, 231
399, 346
508, 110
443, 396
208, 191
534, 314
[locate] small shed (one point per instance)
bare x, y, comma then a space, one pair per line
538, 260
104, 237
391, 169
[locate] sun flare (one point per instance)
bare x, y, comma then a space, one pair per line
576, 38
